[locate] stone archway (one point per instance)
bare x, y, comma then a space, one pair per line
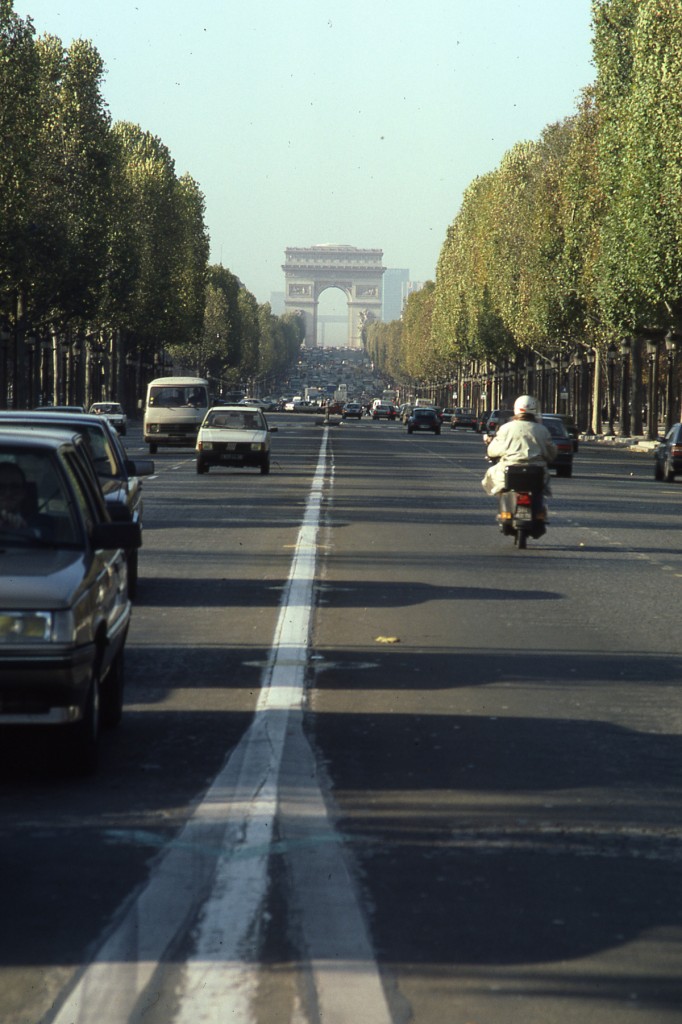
358, 273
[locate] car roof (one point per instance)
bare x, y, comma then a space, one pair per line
46, 438
55, 408
45, 413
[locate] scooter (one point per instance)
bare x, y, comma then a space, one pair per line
522, 512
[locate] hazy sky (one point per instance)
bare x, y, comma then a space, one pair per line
307, 121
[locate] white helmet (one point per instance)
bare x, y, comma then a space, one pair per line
527, 404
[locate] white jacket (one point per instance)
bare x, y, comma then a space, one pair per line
517, 441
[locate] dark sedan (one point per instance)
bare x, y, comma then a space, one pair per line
668, 455
563, 464
463, 418
424, 418
352, 410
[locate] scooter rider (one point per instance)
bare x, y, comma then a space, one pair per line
521, 440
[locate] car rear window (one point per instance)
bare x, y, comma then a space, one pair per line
555, 427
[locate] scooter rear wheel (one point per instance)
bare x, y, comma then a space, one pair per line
520, 539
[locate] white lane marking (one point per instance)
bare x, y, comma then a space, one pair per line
221, 856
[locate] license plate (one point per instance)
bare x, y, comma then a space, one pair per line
523, 513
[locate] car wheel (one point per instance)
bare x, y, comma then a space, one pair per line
153, 449
132, 573
201, 466
437, 431
83, 737
668, 473
265, 466
123, 431
111, 700
564, 471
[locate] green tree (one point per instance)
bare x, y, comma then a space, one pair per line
149, 309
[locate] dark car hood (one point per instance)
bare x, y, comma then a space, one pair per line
39, 578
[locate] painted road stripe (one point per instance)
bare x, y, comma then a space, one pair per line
220, 862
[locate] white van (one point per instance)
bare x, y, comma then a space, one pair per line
174, 411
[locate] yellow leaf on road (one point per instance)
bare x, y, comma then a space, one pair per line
387, 640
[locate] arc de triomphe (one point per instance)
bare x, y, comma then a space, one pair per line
357, 272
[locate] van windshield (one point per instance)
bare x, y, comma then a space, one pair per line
195, 396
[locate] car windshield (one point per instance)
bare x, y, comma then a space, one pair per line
36, 509
169, 397
108, 410
223, 419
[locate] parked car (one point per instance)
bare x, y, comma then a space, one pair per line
383, 411
352, 410
463, 418
113, 411
563, 464
234, 435
64, 604
668, 455
446, 415
119, 476
424, 418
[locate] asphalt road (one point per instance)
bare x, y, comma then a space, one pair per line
472, 816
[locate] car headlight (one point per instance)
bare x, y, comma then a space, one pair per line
152, 428
25, 627
257, 446
205, 446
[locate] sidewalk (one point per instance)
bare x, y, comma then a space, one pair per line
637, 443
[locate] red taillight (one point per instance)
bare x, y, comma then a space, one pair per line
564, 447
676, 450
523, 499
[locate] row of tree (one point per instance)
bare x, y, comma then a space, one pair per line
104, 251
575, 240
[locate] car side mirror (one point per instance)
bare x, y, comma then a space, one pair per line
273, 430
140, 467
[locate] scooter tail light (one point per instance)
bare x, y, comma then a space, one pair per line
523, 499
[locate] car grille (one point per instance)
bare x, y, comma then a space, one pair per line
177, 428
239, 447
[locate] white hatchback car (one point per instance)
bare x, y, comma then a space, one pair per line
113, 411
234, 435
